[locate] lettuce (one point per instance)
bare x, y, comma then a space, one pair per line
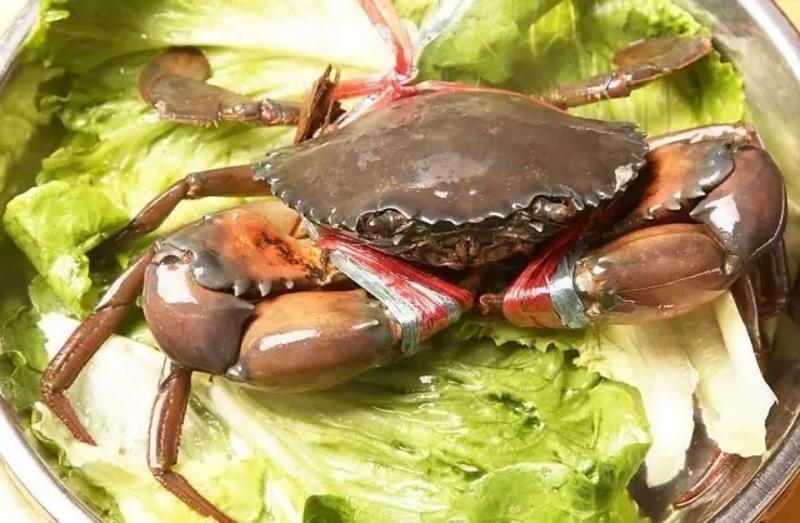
21, 150
535, 46
116, 156
23, 358
438, 437
733, 397
653, 359
705, 358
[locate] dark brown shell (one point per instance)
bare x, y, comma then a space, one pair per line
455, 160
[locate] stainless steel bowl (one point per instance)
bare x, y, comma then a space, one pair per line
760, 41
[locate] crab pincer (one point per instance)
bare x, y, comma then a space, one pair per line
711, 204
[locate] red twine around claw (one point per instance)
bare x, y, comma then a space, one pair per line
422, 303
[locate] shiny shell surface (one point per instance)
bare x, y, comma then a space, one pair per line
457, 157
450, 163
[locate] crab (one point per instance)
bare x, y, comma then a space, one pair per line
384, 219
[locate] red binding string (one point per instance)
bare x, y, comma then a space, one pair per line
427, 294
383, 16
530, 291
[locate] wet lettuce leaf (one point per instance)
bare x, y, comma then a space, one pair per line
21, 150
23, 357
535, 46
438, 437
705, 358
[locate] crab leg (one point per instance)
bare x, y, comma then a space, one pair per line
773, 279
390, 27
794, 303
164, 437
174, 83
236, 180
744, 292
636, 66
84, 342
721, 466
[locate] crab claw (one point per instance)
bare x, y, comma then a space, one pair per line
747, 212
314, 340
199, 288
710, 212
667, 270
651, 274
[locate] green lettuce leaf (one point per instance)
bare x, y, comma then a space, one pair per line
705, 358
116, 156
424, 440
21, 150
535, 46
328, 509
653, 359
23, 357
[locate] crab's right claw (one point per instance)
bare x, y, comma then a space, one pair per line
174, 83
636, 66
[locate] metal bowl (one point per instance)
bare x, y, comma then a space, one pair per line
761, 42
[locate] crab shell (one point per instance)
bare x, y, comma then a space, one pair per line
457, 179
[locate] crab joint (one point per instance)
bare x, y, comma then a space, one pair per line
651, 274
422, 304
565, 299
548, 299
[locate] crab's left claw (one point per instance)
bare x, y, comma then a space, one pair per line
667, 270
174, 83
706, 224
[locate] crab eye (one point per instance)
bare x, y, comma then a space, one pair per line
555, 211
383, 224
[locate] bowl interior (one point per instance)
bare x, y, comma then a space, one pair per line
763, 45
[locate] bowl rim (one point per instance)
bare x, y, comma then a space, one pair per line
43, 486
782, 467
